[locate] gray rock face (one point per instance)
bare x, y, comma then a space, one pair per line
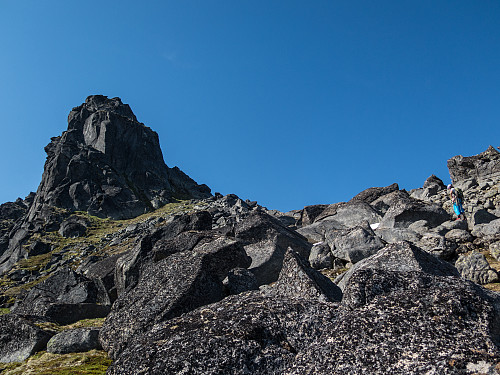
403, 214
244, 334
240, 280
355, 244
406, 323
350, 214
19, 338
438, 245
401, 257
298, 280
170, 287
109, 164
321, 256
54, 298
266, 242
475, 167
74, 341
476, 268
372, 194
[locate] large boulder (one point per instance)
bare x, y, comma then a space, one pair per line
475, 267
244, 334
354, 244
407, 323
316, 232
65, 297
400, 257
475, 167
170, 287
266, 242
350, 214
180, 233
372, 194
19, 338
298, 280
405, 213
74, 341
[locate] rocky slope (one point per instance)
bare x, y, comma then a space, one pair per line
388, 282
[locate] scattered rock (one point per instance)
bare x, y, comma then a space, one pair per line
475, 267
74, 341
19, 338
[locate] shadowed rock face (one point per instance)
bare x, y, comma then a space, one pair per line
109, 164
474, 167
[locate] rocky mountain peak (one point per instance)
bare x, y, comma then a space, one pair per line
109, 164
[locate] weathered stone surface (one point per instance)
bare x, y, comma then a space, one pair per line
383, 203
74, 226
109, 164
475, 167
487, 230
372, 194
495, 250
317, 231
19, 338
64, 287
350, 214
438, 245
298, 280
401, 257
74, 341
240, 280
171, 287
475, 267
354, 244
321, 256
266, 242
431, 187
178, 235
459, 235
406, 323
481, 216
244, 334
403, 214
310, 213
393, 235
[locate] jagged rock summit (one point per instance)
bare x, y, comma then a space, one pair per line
108, 164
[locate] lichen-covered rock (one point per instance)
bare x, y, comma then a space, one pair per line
20, 338
266, 241
61, 290
350, 214
171, 287
298, 280
401, 257
74, 341
404, 213
475, 267
407, 323
372, 194
475, 167
354, 244
239, 280
244, 334
438, 245
321, 256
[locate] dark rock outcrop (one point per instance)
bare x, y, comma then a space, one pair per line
474, 167
170, 287
19, 338
244, 334
401, 257
109, 164
407, 323
266, 241
298, 280
65, 297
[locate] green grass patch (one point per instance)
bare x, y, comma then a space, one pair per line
93, 362
4, 311
85, 323
14, 291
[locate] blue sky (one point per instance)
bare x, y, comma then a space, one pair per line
289, 103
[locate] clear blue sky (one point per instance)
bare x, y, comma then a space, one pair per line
289, 103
